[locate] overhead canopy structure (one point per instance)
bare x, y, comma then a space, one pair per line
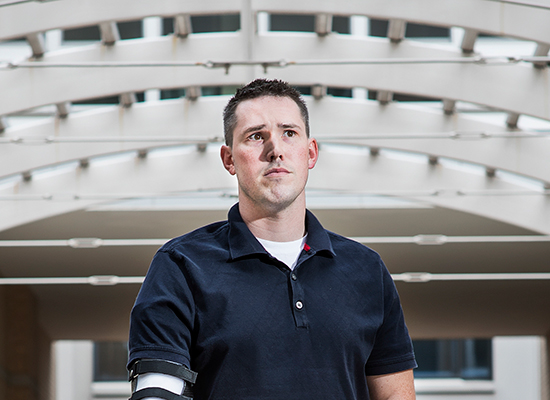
142, 172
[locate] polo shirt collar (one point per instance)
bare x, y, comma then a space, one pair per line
243, 243
317, 237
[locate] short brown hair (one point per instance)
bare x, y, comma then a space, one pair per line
255, 89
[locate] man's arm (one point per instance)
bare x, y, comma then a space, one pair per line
396, 386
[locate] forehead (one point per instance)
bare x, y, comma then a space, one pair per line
266, 109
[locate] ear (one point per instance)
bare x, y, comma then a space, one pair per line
227, 159
313, 153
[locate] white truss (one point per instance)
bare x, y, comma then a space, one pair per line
320, 60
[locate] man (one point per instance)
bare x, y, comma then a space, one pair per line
269, 305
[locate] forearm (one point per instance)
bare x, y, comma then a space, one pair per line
397, 386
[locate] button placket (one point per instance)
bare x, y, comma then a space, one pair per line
298, 302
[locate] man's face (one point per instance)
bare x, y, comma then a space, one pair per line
271, 153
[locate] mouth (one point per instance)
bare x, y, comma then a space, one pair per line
275, 172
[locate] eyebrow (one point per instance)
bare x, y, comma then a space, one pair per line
262, 126
288, 125
254, 128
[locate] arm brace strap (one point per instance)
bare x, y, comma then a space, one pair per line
162, 367
157, 392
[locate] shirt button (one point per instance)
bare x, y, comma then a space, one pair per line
299, 305
293, 277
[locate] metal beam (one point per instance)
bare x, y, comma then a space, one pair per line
36, 41
63, 109
408, 277
449, 106
469, 40
3, 124
109, 33
541, 51
396, 30
512, 120
384, 96
127, 99
192, 93
182, 25
323, 24
318, 91
422, 240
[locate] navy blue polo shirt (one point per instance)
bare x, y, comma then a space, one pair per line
216, 301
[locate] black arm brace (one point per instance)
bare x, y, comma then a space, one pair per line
162, 367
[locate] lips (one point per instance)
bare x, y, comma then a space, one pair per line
278, 171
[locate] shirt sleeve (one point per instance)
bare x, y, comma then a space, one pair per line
162, 318
392, 350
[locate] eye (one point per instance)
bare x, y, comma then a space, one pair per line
255, 136
290, 133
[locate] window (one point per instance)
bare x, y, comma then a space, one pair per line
466, 359
339, 92
175, 93
85, 33
402, 97
379, 27
206, 23
130, 29
456, 358
305, 23
110, 361
216, 23
127, 30
292, 23
140, 97
341, 24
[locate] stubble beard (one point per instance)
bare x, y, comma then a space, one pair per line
272, 198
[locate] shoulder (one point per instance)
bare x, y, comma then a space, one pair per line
185, 253
359, 260
345, 247
206, 237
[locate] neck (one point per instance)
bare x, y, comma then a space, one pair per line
283, 225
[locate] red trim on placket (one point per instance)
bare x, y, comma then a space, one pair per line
306, 247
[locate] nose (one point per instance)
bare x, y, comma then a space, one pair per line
274, 149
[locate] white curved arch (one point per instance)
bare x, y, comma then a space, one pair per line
30, 88
195, 121
525, 90
492, 17
510, 88
340, 168
332, 120
18, 20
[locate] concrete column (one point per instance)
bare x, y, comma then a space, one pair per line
359, 26
54, 39
74, 369
263, 22
152, 27
517, 367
